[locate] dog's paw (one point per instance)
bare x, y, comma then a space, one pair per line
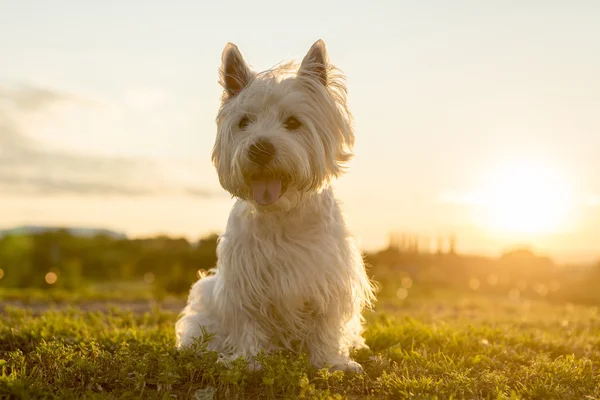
225, 361
350, 366
353, 366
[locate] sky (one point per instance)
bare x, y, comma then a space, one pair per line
107, 115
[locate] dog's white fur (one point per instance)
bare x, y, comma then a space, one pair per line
290, 274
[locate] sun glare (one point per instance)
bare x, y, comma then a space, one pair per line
525, 198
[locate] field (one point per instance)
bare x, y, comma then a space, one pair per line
428, 345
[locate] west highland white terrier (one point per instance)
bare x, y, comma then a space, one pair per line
290, 275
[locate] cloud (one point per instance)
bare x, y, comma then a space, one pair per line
50, 186
200, 193
12, 143
31, 98
29, 169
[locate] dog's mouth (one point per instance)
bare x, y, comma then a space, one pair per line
266, 188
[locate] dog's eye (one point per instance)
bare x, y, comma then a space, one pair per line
244, 122
292, 123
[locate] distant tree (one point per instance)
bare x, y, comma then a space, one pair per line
440, 245
452, 244
16, 262
71, 276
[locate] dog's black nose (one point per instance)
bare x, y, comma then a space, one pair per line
262, 152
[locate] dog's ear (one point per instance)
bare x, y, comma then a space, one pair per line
315, 63
235, 74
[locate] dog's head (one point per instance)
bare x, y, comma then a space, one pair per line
281, 133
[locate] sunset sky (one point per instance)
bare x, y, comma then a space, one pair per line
480, 118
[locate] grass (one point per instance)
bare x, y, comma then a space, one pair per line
435, 346
112, 292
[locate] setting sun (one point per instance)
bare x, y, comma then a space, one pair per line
525, 198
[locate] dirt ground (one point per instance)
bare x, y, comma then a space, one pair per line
137, 306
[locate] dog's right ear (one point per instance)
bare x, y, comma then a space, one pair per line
315, 64
235, 74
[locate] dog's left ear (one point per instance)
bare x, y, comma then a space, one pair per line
314, 64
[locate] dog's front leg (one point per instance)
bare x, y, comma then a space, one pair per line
327, 346
248, 339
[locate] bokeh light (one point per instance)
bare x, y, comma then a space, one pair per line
51, 278
407, 283
474, 283
402, 293
522, 285
1, 273
148, 277
541, 289
569, 307
554, 286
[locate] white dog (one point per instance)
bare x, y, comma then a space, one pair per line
290, 275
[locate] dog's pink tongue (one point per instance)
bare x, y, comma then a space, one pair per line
266, 191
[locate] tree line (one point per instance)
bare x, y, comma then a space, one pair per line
173, 264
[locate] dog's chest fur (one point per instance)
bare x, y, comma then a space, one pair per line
289, 263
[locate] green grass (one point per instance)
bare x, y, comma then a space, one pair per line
443, 346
